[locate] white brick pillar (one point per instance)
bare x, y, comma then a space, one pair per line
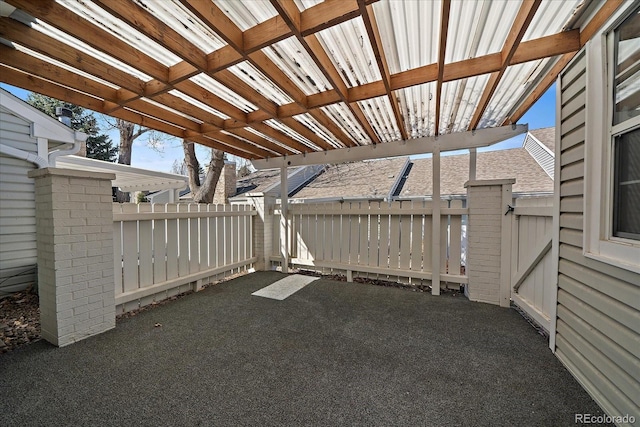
263, 229
74, 227
489, 241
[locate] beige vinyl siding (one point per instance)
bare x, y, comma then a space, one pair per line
598, 318
17, 206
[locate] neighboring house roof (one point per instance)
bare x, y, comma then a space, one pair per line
454, 171
367, 179
258, 181
128, 178
546, 136
268, 180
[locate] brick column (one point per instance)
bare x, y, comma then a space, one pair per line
262, 229
489, 241
74, 228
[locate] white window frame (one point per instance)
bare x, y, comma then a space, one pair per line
598, 241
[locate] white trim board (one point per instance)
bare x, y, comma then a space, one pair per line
286, 287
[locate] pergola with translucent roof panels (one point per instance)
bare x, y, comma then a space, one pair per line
294, 82
270, 80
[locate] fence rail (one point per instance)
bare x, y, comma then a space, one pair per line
161, 250
374, 238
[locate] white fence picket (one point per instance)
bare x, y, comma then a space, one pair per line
161, 250
159, 246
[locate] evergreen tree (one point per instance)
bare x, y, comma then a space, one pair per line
99, 146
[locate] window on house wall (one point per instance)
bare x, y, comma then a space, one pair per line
625, 128
612, 142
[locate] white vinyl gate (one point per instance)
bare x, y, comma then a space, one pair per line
532, 272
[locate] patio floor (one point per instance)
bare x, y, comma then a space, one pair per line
334, 353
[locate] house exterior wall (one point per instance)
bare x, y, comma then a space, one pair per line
598, 322
17, 206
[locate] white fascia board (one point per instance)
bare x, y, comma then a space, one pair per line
448, 142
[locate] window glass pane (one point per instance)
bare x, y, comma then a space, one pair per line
627, 72
626, 192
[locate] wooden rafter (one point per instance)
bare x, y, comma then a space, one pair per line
519, 27
215, 19
602, 16
442, 49
292, 16
373, 32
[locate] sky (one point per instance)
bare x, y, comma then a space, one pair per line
161, 158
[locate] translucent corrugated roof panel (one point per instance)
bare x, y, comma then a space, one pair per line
96, 15
349, 48
379, 113
275, 141
410, 32
306, 4
65, 38
418, 105
185, 23
292, 58
198, 104
223, 92
247, 14
550, 18
459, 99
171, 110
258, 81
478, 28
512, 86
290, 132
308, 121
342, 116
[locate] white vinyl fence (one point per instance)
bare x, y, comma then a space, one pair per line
163, 250
376, 239
532, 273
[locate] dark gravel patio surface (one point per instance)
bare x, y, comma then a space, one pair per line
334, 353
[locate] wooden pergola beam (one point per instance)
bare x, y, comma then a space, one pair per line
442, 49
292, 16
369, 19
594, 25
523, 19
209, 15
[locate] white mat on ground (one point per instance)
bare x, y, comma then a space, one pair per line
285, 287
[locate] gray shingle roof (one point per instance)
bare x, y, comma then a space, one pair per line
547, 136
258, 181
370, 179
454, 170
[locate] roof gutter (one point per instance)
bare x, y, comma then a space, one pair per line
40, 162
79, 138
